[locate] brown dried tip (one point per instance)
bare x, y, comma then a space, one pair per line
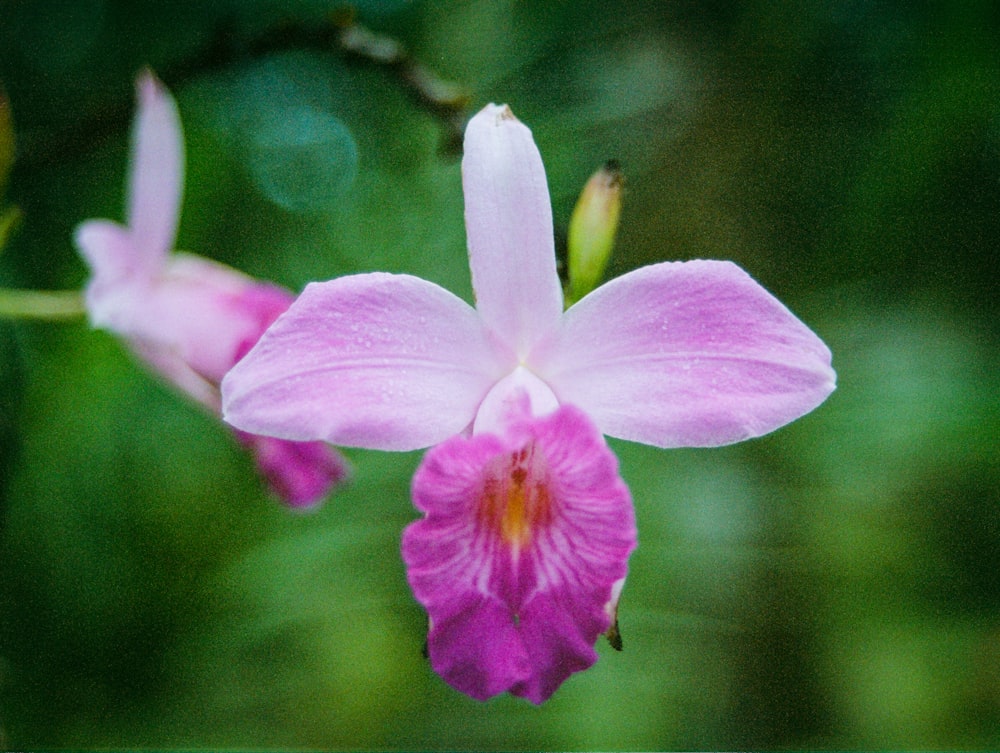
614, 636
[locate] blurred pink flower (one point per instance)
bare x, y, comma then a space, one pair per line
523, 550
189, 318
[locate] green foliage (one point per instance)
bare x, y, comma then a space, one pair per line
9, 215
8, 221
6, 140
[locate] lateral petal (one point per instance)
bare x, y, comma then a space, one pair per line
508, 220
524, 542
686, 354
381, 361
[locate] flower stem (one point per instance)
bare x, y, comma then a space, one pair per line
41, 304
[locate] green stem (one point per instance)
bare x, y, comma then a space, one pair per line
41, 304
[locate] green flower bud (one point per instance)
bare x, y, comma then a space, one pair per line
592, 229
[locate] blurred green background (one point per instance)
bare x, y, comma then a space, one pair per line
833, 585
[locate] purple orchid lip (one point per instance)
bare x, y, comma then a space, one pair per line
188, 318
521, 554
677, 354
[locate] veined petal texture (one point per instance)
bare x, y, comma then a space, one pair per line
381, 361
685, 354
508, 220
524, 541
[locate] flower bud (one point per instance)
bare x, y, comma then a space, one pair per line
592, 229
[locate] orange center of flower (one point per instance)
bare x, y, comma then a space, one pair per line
516, 500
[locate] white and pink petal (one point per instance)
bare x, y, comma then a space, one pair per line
117, 279
202, 313
517, 393
380, 361
156, 172
508, 220
686, 354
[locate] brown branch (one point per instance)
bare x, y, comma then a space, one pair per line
340, 34
445, 99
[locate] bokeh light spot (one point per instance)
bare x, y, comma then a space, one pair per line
302, 158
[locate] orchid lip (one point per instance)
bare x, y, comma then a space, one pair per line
516, 502
523, 546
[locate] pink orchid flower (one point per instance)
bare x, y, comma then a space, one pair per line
523, 549
189, 318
